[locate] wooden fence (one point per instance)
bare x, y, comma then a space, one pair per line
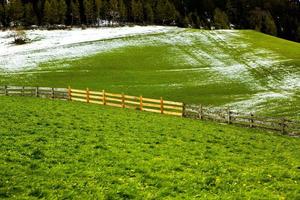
43, 92
126, 101
285, 126
98, 97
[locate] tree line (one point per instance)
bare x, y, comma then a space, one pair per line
275, 17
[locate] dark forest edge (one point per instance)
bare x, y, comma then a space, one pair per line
275, 17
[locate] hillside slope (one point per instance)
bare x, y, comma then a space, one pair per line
64, 150
245, 70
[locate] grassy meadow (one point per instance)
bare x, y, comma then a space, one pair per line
52, 149
245, 70
66, 150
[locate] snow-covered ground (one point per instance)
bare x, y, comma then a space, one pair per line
61, 44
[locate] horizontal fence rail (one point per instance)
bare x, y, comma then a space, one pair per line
98, 97
126, 101
283, 125
43, 92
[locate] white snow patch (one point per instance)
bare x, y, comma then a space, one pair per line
215, 48
256, 101
185, 69
290, 82
60, 44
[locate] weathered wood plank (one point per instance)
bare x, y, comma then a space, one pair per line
113, 99
173, 107
96, 93
96, 97
151, 100
96, 102
77, 99
78, 91
173, 103
132, 102
151, 105
114, 105
113, 95
151, 110
172, 113
78, 95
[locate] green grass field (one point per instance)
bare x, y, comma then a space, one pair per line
246, 70
66, 150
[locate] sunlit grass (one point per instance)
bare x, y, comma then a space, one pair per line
64, 150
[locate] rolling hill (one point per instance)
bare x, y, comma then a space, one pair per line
241, 69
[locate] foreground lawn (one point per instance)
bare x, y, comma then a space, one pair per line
65, 150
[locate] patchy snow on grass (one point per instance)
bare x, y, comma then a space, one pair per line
220, 51
60, 44
185, 69
227, 54
258, 101
290, 82
223, 55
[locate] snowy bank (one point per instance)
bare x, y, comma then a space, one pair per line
60, 44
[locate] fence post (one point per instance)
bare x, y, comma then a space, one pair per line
37, 91
123, 100
69, 93
161, 105
183, 110
229, 116
5, 90
103, 97
141, 103
87, 95
201, 112
283, 126
22, 92
52, 93
251, 120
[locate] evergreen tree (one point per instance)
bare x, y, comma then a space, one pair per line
262, 20
122, 11
114, 10
61, 11
198, 22
16, 11
104, 10
268, 16
39, 11
165, 12
137, 10
149, 15
48, 15
269, 25
98, 4
195, 20
89, 11
186, 22
208, 7
2, 15
298, 33
231, 9
170, 12
30, 17
160, 14
75, 12
55, 16
220, 19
